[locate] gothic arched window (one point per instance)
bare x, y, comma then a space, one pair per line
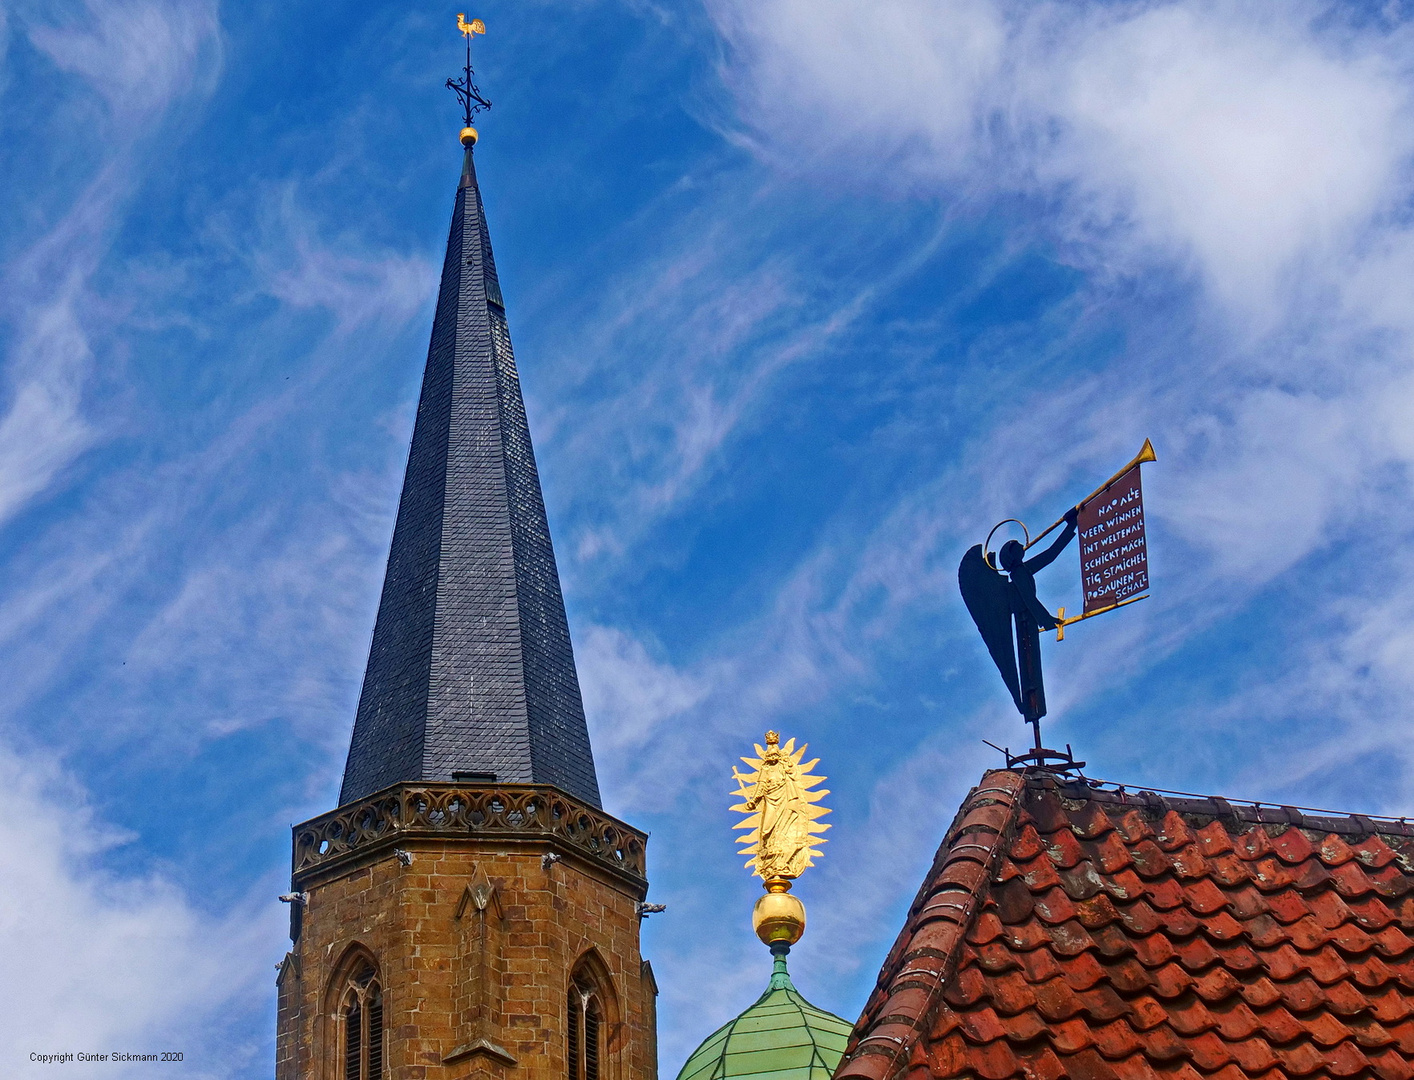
591, 1007
585, 1032
362, 1017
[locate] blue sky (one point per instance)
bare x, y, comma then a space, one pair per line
805, 296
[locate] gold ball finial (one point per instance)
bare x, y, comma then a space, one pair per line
469, 136
778, 917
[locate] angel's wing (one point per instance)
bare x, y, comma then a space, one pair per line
984, 593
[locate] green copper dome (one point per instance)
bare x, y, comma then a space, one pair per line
781, 1037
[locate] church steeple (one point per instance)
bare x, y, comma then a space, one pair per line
471, 672
468, 911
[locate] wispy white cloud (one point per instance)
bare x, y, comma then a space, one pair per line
1239, 139
628, 692
294, 264
685, 355
109, 962
139, 56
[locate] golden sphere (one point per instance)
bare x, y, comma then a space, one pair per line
778, 916
469, 136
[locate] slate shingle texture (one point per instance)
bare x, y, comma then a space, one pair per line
1093, 934
471, 667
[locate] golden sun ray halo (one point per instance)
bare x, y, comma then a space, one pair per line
781, 810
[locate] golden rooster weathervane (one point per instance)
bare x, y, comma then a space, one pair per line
782, 814
465, 87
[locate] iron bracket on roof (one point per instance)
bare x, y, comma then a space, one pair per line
1040, 758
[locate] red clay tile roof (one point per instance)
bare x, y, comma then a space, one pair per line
1070, 932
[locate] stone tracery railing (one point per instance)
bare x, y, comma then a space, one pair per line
513, 811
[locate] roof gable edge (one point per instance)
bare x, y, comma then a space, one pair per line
926, 954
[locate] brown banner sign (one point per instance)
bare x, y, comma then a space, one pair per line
1114, 561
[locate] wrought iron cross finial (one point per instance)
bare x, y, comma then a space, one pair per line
465, 87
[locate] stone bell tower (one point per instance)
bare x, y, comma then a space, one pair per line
468, 909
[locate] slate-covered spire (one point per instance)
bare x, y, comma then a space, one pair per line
471, 669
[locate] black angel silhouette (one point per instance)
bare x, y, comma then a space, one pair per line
994, 599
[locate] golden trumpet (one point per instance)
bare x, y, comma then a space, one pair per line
1146, 453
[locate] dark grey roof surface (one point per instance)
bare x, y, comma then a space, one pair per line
471, 668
